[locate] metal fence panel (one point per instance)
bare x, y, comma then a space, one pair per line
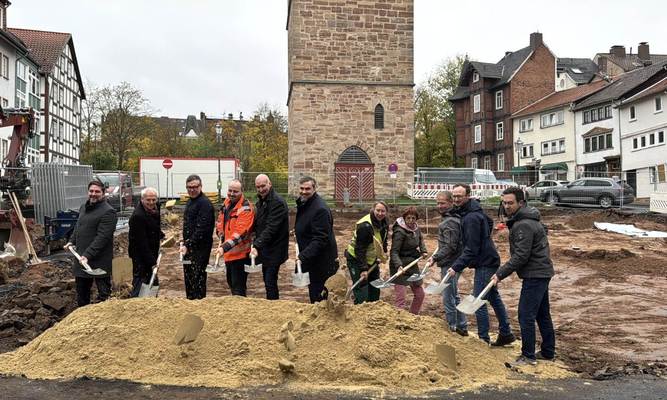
58, 187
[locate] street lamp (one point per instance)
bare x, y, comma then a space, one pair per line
518, 144
218, 139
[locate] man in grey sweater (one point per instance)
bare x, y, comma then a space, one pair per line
449, 249
530, 258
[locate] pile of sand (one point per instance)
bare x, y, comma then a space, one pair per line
371, 346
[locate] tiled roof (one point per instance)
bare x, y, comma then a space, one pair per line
586, 66
622, 84
45, 47
511, 62
487, 70
632, 61
597, 131
562, 98
461, 93
660, 87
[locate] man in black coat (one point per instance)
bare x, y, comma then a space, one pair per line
144, 239
313, 227
271, 242
198, 225
531, 259
93, 239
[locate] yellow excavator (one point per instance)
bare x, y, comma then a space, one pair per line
15, 178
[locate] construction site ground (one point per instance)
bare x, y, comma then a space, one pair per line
607, 302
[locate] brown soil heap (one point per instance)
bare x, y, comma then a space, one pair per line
248, 342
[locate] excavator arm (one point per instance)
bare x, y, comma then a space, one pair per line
14, 177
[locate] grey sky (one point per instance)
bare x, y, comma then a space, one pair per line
229, 56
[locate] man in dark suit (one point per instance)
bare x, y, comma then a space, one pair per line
144, 239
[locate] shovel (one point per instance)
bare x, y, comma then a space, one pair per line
299, 278
349, 292
471, 303
252, 268
180, 257
212, 269
423, 272
86, 267
150, 290
437, 288
446, 355
381, 284
189, 329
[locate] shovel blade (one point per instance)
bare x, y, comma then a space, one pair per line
380, 284
469, 305
148, 291
301, 280
446, 355
94, 271
215, 268
252, 269
416, 277
436, 288
189, 329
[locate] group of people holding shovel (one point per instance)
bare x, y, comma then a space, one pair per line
464, 240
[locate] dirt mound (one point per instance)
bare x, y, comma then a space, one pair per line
599, 254
254, 342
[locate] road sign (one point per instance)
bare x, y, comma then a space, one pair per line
167, 163
393, 168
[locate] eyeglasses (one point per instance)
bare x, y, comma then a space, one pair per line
457, 196
192, 187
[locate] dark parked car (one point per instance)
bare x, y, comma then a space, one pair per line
120, 190
535, 190
605, 192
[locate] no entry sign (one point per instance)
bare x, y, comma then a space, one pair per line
167, 163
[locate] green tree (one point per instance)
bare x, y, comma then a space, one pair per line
435, 124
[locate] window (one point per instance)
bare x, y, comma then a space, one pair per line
487, 162
597, 114
475, 76
5, 103
598, 142
551, 119
658, 104
478, 133
379, 117
5, 67
499, 100
473, 162
553, 147
653, 174
527, 151
499, 131
635, 143
609, 142
633, 115
561, 145
643, 139
501, 162
476, 103
651, 139
661, 137
562, 83
526, 125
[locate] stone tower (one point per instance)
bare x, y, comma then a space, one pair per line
350, 98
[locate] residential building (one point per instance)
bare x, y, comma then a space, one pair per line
489, 93
572, 72
19, 85
60, 89
191, 127
643, 124
618, 61
544, 134
350, 98
598, 127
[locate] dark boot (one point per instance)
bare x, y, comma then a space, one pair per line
504, 340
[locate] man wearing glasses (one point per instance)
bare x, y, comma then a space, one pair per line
198, 224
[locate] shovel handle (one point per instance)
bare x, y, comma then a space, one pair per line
371, 269
485, 291
401, 270
78, 257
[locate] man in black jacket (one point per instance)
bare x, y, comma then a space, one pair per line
198, 225
144, 239
315, 236
480, 253
93, 239
271, 242
531, 259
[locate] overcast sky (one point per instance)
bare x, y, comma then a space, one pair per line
222, 56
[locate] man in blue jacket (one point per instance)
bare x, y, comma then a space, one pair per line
531, 259
480, 253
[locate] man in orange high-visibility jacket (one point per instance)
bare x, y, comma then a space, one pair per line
235, 225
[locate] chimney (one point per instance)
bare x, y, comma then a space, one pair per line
617, 50
535, 40
507, 53
642, 51
3, 14
202, 116
240, 115
230, 116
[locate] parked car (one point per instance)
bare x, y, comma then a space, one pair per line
535, 190
605, 192
120, 190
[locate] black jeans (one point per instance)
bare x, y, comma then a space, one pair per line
534, 307
195, 280
270, 273
317, 292
83, 286
237, 278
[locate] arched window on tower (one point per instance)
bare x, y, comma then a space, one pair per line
379, 117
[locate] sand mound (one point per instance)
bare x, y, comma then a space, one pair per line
247, 342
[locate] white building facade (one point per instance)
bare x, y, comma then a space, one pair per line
597, 144
643, 121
